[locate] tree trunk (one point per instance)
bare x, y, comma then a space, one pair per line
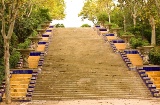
7, 70
134, 15
153, 26
124, 23
109, 18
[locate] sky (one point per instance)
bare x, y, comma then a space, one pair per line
73, 8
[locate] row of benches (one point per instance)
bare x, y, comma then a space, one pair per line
151, 77
134, 61
22, 81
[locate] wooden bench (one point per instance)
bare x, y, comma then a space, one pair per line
135, 59
20, 82
120, 46
19, 79
47, 33
157, 86
45, 39
19, 86
153, 73
156, 78
18, 89
33, 61
33, 65
17, 94
133, 55
41, 47
110, 38
103, 32
21, 75
33, 58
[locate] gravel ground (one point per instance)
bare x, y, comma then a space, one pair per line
94, 102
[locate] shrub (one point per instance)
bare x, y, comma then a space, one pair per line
59, 25
137, 42
85, 25
14, 58
25, 44
1, 70
102, 17
154, 56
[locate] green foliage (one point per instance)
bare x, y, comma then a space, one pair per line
125, 33
138, 42
102, 17
25, 26
1, 73
113, 24
137, 30
154, 56
44, 14
59, 25
89, 11
34, 33
85, 25
24, 45
117, 17
14, 58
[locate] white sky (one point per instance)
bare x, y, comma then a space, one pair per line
73, 8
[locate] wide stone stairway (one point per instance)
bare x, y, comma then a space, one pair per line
81, 65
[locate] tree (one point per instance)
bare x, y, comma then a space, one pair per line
56, 7
158, 6
102, 18
8, 13
150, 12
133, 8
89, 11
10, 10
106, 6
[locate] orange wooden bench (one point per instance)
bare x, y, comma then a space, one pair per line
33, 61
110, 38
120, 46
135, 59
46, 39
41, 47
19, 85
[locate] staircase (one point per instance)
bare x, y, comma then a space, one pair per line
80, 65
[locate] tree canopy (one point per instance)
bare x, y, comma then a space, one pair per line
18, 20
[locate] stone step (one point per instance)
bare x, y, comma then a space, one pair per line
90, 79
111, 86
81, 68
52, 97
84, 91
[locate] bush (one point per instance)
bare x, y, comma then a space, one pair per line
137, 42
59, 25
24, 26
24, 45
14, 58
102, 17
85, 25
113, 24
154, 56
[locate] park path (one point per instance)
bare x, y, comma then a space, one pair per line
80, 65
